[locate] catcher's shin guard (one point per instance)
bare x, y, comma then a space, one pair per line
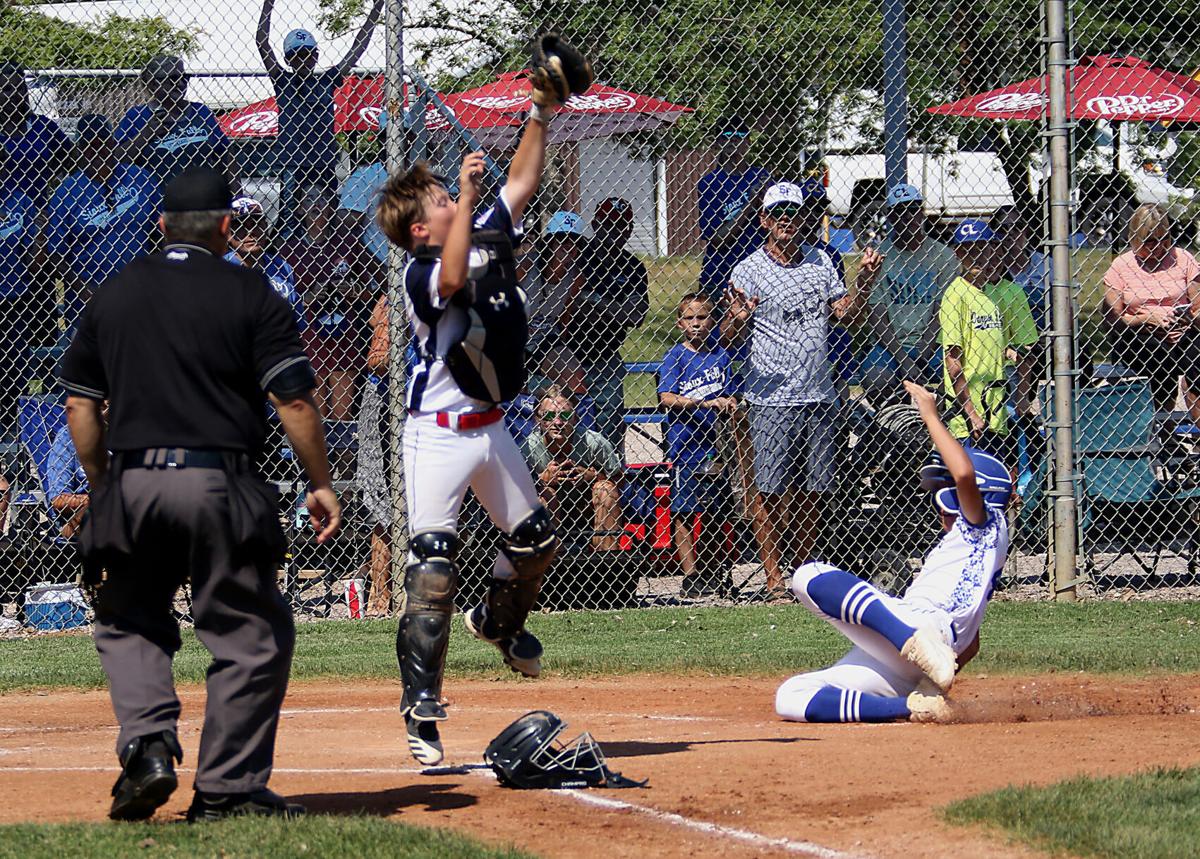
429, 582
530, 548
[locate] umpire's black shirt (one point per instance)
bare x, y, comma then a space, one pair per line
183, 345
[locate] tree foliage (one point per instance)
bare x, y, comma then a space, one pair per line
40, 41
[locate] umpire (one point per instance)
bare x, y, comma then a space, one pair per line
184, 346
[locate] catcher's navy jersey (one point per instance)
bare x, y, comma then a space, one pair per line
437, 324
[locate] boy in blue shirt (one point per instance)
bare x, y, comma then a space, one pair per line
698, 388
249, 245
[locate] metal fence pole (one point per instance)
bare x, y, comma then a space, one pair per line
395, 160
1063, 324
895, 93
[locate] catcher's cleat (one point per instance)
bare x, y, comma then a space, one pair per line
424, 741
926, 650
926, 703
147, 777
207, 807
522, 652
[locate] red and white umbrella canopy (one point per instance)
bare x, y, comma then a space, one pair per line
493, 112
1101, 87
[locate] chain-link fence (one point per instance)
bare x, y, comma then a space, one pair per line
760, 220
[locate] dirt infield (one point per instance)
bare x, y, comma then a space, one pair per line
726, 777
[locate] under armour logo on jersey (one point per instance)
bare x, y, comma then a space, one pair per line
499, 301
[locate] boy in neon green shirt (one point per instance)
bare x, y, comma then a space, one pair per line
981, 327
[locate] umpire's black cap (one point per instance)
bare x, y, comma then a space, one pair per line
198, 189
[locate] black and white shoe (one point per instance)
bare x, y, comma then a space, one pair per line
208, 807
522, 652
424, 741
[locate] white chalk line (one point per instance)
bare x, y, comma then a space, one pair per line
757, 839
304, 711
804, 848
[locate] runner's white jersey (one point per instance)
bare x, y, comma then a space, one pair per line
959, 574
436, 322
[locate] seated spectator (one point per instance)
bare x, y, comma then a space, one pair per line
903, 304
698, 389
613, 301
982, 322
552, 289
1152, 300
18, 244
38, 150
169, 133
360, 194
101, 217
577, 471
68, 486
307, 149
250, 243
1026, 266
335, 281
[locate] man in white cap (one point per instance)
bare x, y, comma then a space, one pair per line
903, 306
307, 149
783, 294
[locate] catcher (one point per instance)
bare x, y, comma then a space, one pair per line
469, 323
907, 650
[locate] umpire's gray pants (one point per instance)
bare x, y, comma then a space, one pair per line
179, 523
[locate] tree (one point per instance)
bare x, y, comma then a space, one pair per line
40, 41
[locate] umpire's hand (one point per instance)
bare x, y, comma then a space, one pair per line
324, 512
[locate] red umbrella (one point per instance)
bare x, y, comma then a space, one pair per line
1101, 87
493, 112
356, 105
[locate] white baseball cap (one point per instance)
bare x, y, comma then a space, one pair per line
784, 192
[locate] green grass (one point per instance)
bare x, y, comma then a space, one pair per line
257, 838
672, 277
755, 640
1153, 815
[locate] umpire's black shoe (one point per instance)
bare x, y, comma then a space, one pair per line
147, 776
219, 806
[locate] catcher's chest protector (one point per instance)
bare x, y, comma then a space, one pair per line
488, 363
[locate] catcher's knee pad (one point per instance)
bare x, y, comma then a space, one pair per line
431, 577
532, 545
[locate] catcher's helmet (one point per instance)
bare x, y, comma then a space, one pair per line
528, 754
991, 476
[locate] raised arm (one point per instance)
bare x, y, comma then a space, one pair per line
262, 38
962, 470
525, 174
361, 39
453, 270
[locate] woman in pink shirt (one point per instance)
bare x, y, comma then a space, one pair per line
1152, 302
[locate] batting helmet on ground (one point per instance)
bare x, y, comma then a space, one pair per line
528, 754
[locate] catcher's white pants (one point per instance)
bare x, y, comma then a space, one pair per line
440, 463
873, 666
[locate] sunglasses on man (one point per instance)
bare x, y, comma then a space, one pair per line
562, 416
794, 211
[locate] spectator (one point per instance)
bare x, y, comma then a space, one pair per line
38, 150
170, 133
375, 462
18, 241
728, 199
1152, 298
360, 194
307, 148
903, 306
250, 244
698, 388
978, 336
1025, 265
68, 486
552, 290
102, 216
784, 293
335, 282
614, 301
578, 471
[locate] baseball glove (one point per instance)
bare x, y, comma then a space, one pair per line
557, 71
